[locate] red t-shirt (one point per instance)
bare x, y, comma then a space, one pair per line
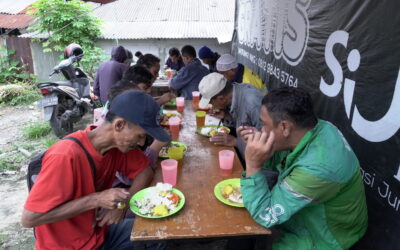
67, 175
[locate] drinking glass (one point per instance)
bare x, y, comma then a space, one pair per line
200, 118
226, 162
180, 104
174, 126
169, 169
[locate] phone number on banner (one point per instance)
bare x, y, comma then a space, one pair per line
282, 75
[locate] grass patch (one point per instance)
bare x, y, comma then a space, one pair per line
29, 147
16, 158
4, 165
37, 129
3, 239
48, 142
18, 94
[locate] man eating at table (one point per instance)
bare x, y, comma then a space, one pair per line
240, 103
187, 79
319, 200
72, 204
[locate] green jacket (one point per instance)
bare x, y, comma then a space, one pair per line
319, 200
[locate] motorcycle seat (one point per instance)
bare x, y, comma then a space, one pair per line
55, 84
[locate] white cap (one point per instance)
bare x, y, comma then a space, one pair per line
209, 86
226, 62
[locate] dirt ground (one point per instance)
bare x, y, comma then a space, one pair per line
13, 189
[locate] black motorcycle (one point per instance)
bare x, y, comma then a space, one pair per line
66, 102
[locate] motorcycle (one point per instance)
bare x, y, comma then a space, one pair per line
66, 102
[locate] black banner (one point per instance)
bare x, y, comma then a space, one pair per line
347, 55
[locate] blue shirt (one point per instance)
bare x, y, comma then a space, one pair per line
176, 66
188, 78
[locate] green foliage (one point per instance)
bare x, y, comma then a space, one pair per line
65, 22
11, 71
92, 59
37, 129
18, 94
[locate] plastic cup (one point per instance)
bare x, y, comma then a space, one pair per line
169, 73
180, 104
169, 170
200, 118
226, 162
97, 114
176, 153
174, 126
196, 99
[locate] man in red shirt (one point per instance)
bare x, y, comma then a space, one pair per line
72, 209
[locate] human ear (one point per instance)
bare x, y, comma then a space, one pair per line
286, 127
119, 124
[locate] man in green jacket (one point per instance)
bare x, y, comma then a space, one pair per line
318, 201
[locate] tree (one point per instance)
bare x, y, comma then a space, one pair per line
67, 22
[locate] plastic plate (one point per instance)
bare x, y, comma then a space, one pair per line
235, 182
211, 126
175, 114
143, 193
174, 143
171, 104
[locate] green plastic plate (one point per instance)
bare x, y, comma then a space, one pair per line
235, 182
211, 126
142, 194
171, 104
165, 156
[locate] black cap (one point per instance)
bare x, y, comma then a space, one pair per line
139, 108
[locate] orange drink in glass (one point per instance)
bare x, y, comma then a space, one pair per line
180, 104
174, 126
200, 118
196, 99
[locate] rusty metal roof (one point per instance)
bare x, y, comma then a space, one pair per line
15, 21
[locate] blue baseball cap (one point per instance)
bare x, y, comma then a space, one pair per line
205, 52
140, 108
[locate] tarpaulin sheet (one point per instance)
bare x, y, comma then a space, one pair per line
347, 55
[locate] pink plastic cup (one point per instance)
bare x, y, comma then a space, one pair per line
97, 114
180, 104
174, 126
169, 169
196, 98
226, 162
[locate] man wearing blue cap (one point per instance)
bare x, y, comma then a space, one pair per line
209, 57
72, 205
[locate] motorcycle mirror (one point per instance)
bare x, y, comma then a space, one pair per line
65, 63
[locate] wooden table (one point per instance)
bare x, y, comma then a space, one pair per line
202, 216
159, 87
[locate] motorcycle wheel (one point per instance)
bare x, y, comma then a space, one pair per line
60, 129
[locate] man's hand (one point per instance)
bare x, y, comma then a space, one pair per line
260, 147
94, 97
245, 131
108, 217
166, 97
109, 198
223, 139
